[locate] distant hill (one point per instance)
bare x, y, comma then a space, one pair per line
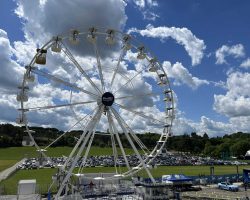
235, 144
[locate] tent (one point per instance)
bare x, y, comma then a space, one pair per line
247, 155
177, 179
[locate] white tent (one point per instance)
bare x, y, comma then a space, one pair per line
247, 155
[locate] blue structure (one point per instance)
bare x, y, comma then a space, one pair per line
176, 178
246, 178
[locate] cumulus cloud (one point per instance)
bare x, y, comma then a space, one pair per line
11, 71
181, 75
236, 102
236, 51
44, 19
245, 64
194, 46
214, 128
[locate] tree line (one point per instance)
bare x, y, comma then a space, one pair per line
235, 144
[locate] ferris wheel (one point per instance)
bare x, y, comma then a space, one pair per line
118, 88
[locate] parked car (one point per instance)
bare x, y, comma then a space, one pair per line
228, 186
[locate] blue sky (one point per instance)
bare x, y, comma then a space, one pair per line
204, 45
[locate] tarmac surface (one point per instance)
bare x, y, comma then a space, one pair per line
213, 192
6, 173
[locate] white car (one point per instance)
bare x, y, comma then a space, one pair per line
228, 186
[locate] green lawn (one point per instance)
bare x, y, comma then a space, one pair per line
6, 164
43, 176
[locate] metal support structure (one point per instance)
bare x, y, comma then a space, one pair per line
115, 132
90, 128
132, 145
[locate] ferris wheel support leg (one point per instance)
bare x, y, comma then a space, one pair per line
91, 126
132, 145
87, 152
115, 132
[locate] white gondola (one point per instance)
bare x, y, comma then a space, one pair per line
161, 75
141, 54
21, 120
56, 47
126, 42
91, 37
30, 78
152, 66
110, 39
74, 37
41, 57
162, 82
168, 99
22, 97
167, 91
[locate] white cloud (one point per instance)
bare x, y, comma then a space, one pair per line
11, 71
146, 7
182, 76
194, 46
245, 64
236, 102
236, 51
42, 20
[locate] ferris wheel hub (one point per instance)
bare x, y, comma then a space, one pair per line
108, 99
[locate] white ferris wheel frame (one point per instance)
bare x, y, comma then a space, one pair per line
91, 120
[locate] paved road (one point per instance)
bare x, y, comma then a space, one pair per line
6, 173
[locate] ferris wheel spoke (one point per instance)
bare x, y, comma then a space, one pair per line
141, 114
59, 80
129, 81
82, 71
79, 121
99, 67
114, 131
132, 144
58, 106
117, 67
137, 96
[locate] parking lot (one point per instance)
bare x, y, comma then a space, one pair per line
212, 192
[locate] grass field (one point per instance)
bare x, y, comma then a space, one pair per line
9, 156
6, 164
43, 176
